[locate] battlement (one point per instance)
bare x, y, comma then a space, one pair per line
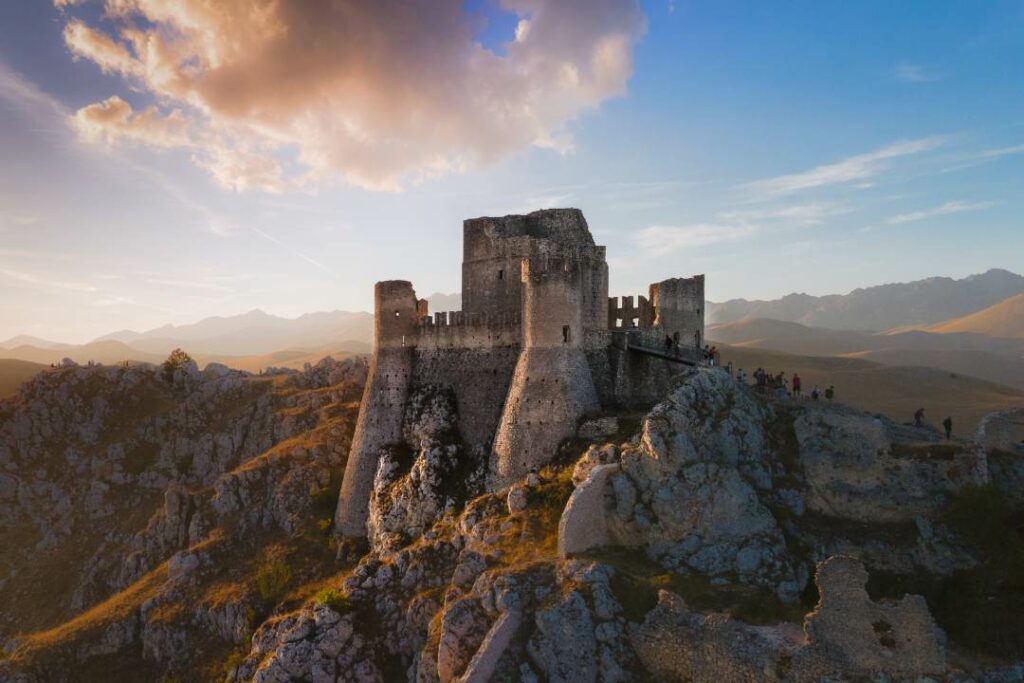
623, 312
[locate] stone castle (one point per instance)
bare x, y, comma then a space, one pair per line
537, 346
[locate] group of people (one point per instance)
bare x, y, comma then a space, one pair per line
711, 356
769, 383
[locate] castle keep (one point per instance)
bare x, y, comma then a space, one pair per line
537, 345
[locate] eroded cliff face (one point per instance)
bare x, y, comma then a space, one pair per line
718, 536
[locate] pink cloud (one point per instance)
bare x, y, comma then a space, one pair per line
375, 93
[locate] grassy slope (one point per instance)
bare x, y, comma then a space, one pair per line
1005, 319
14, 372
896, 391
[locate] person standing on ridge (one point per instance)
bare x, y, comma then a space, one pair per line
796, 385
919, 417
830, 393
947, 424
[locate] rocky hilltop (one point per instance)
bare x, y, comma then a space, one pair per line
177, 528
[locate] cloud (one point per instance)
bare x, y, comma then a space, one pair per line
43, 282
659, 240
284, 92
945, 209
114, 119
855, 168
796, 215
904, 72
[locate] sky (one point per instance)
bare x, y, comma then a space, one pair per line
163, 161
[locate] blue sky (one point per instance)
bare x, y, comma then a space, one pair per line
805, 146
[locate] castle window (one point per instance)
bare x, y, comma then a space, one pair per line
565, 334
501, 274
398, 314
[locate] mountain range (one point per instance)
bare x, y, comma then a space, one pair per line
972, 326
922, 302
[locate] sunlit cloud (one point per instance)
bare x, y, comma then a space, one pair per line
856, 168
378, 94
945, 209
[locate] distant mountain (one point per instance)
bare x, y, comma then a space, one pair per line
26, 340
991, 358
255, 333
1005, 319
108, 352
924, 302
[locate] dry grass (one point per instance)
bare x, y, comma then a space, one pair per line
14, 373
116, 608
895, 391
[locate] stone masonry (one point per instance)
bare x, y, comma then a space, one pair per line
537, 345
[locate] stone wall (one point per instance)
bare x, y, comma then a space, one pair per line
493, 250
479, 378
551, 386
679, 308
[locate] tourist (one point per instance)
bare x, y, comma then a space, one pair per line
728, 368
741, 375
830, 393
814, 393
947, 424
919, 417
668, 343
796, 385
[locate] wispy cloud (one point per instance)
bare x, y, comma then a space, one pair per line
26, 95
905, 72
735, 226
945, 209
796, 214
294, 252
659, 240
856, 168
44, 282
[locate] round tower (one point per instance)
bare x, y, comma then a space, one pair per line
383, 406
551, 387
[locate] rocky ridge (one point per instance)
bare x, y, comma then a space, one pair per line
719, 535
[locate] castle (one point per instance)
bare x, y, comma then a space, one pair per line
537, 346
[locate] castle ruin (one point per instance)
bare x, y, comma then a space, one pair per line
537, 346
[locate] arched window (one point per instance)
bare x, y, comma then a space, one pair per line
565, 334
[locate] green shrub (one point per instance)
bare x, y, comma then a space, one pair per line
175, 360
335, 599
272, 580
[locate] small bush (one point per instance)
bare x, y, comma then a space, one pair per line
272, 580
175, 360
335, 599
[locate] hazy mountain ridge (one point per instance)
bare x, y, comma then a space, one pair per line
882, 307
995, 359
1004, 319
